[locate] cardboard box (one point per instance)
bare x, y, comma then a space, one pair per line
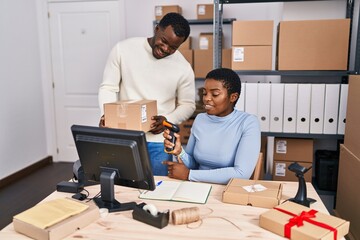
313, 44
206, 41
275, 220
188, 55
161, 11
131, 115
186, 45
352, 127
203, 61
294, 149
252, 33
185, 130
205, 11
282, 173
61, 229
266, 194
251, 58
347, 196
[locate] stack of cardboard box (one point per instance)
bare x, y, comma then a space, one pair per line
252, 45
289, 150
348, 197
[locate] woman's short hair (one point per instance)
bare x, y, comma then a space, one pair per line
178, 23
230, 79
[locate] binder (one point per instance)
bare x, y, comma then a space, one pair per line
303, 108
240, 105
263, 107
332, 94
290, 107
344, 89
276, 107
251, 97
317, 108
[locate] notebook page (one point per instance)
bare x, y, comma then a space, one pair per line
164, 191
192, 192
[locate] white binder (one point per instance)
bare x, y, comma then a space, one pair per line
303, 108
344, 89
251, 97
317, 108
290, 107
276, 107
241, 102
263, 108
332, 94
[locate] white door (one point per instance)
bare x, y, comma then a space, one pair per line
82, 35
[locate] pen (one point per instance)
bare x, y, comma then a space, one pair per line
158, 184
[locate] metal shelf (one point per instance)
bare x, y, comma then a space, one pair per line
295, 73
263, 1
203, 21
303, 135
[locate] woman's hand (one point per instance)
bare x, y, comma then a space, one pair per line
177, 170
168, 143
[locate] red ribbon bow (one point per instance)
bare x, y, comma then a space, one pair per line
298, 220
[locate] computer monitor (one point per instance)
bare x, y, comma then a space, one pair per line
113, 156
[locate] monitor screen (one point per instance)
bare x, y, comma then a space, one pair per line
113, 156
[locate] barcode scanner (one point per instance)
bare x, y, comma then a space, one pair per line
173, 129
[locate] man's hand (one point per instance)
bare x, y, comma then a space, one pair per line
177, 170
102, 121
157, 127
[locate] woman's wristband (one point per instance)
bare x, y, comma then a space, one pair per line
182, 153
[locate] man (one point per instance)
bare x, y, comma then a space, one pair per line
153, 69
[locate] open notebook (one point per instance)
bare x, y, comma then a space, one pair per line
179, 191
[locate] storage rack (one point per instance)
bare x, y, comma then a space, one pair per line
217, 30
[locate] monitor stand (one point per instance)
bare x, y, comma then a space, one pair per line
107, 199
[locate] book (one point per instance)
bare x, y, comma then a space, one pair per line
193, 192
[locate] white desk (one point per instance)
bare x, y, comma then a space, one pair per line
121, 225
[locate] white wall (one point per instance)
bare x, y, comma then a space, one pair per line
22, 133
27, 122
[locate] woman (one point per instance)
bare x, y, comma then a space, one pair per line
224, 142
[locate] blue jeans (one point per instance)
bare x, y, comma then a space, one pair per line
157, 156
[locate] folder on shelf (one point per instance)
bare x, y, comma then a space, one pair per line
344, 89
303, 108
332, 93
263, 108
317, 108
276, 107
290, 107
240, 105
251, 97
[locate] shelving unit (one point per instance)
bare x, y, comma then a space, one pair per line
343, 75
217, 29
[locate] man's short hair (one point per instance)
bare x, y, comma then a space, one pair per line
179, 24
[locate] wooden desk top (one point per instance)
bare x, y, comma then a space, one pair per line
121, 225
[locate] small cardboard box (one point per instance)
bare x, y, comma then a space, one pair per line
161, 11
61, 229
203, 61
265, 194
347, 197
251, 58
282, 173
252, 33
206, 41
293, 215
205, 11
131, 115
313, 44
294, 149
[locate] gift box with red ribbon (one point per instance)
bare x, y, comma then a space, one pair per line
294, 221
